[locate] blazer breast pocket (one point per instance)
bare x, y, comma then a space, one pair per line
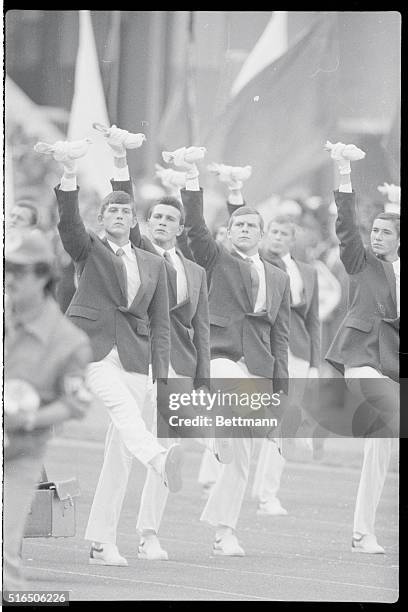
87, 312
360, 324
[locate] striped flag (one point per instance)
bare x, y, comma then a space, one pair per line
89, 106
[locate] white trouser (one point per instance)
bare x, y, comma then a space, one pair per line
270, 463
21, 475
155, 493
377, 454
224, 503
125, 396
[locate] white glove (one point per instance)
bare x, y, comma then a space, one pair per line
233, 176
119, 140
392, 192
186, 158
171, 179
65, 151
343, 154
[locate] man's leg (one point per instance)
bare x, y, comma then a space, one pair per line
21, 475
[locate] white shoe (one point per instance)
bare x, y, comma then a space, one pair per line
271, 508
151, 550
366, 544
228, 546
106, 554
172, 468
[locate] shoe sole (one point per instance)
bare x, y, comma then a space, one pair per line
220, 553
102, 562
367, 552
223, 450
174, 461
143, 556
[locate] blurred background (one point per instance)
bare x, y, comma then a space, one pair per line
265, 88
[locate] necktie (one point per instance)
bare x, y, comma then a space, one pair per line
174, 281
121, 253
254, 280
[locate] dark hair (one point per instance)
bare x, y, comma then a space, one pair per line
389, 216
116, 197
245, 210
33, 210
283, 220
168, 201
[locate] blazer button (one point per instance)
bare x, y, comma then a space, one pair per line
381, 308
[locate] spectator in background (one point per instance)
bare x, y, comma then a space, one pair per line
23, 215
35, 398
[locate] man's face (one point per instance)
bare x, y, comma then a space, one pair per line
164, 225
245, 233
280, 238
384, 239
117, 220
20, 216
22, 285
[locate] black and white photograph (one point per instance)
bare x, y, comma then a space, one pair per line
201, 297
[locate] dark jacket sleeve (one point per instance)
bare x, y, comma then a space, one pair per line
201, 325
76, 240
280, 342
352, 250
234, 207
159, 317
312, 323
201, 242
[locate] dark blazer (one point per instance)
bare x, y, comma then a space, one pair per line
189, 320
236, 331
99, 306
304, 336
368, 334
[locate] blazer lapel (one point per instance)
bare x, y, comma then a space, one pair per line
119, 271
307, 279
390, 275
189, 277
269, 290
246, 278
144, 276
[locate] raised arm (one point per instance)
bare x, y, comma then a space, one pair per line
233, 177
203, 246
352, 251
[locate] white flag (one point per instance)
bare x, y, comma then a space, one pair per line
89, 106
272, 44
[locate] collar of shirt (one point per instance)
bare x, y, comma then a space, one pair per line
42, 326
161, 251
127, 249
287, 259
255, 258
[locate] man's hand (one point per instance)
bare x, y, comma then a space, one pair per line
343, 154
119, 140
171, 179
233, 176
185, 158
65, 152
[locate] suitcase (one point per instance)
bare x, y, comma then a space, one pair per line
52, 513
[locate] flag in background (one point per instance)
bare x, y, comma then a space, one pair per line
280, 119
89, 106
272, 44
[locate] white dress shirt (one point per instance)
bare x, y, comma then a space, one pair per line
296, 281
260, 303
396, 266
132, 269
182, 290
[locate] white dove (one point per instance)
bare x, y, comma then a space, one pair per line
62, 150
393, 192
171, 178
120, 137
349, 152
184, 155
227, 174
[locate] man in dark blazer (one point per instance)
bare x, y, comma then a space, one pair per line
366, 344
122, 304
304, 352
249, 330
189, 332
